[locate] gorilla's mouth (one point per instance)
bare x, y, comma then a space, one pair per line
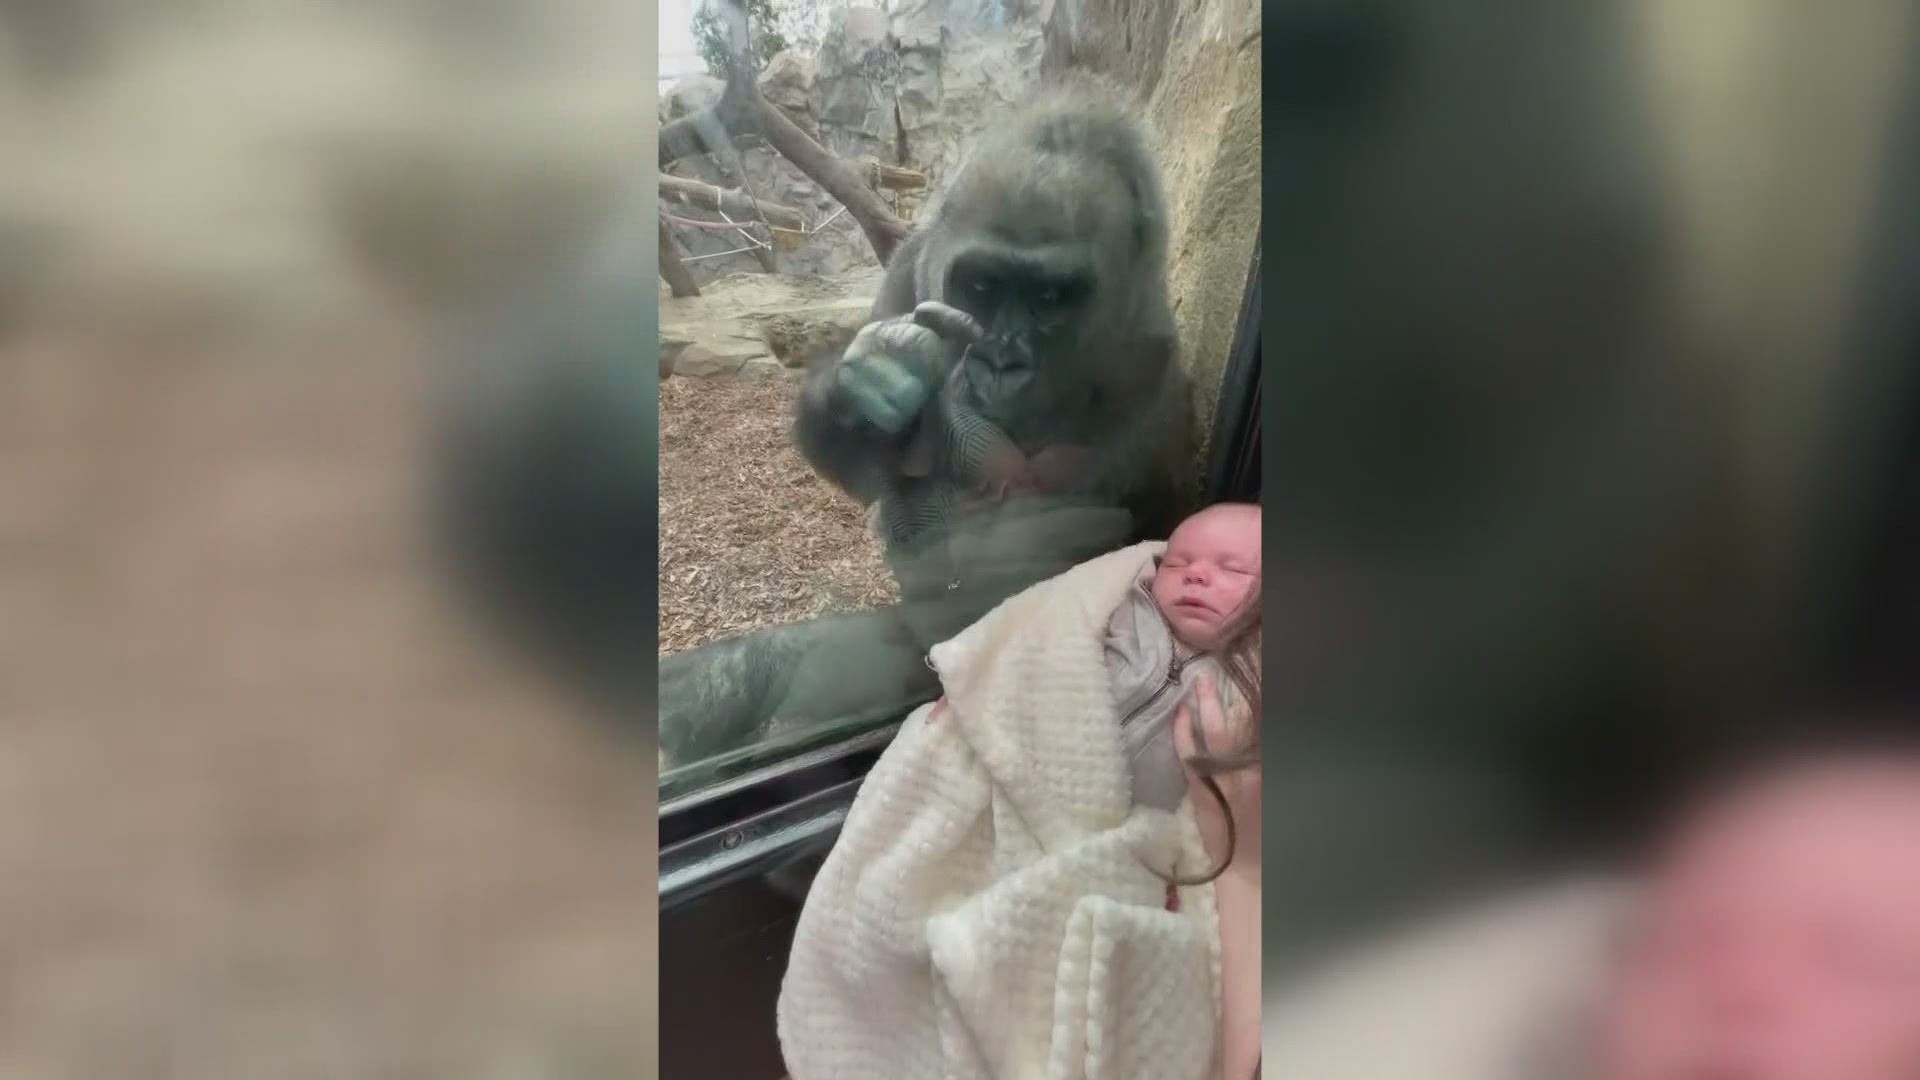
1003, 355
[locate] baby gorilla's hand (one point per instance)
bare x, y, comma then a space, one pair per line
1060, 468
1003, 472
892, 367
1054, 470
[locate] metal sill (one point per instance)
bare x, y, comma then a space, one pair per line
786, 786
695, 867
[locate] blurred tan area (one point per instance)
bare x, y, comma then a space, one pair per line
270, 804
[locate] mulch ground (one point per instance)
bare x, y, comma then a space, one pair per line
750, 536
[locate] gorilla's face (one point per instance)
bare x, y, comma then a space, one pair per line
1031, 301
1034, 257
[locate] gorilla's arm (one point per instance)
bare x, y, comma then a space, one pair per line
836, 669
858, 457
984, 458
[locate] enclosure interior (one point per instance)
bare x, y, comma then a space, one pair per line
726, 925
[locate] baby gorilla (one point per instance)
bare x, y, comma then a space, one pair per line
1782, 936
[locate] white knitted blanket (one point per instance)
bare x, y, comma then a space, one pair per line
988, 912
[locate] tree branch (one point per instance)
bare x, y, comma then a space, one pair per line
678, 278
892, 177
835, 177
708, 197
742, 108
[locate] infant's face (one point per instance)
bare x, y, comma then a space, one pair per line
1208, 572
1783, 940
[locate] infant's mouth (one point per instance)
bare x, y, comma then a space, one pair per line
1192, 605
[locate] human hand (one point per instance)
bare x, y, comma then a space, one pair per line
1206, 726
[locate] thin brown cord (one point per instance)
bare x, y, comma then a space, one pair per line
1243, 642
1208, 878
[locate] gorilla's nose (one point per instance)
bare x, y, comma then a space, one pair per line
1006, 354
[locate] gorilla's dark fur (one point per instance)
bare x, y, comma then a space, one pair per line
1065, 201
1052, 236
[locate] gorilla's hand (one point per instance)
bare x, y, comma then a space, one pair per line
895, 366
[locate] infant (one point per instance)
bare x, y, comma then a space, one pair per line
1781, 937
1184, 610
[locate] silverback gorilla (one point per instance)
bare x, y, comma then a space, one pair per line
1014, 406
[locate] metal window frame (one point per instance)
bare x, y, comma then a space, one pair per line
768, 815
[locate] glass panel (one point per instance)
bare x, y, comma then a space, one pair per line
845, 483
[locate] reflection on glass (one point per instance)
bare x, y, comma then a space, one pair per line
919, 343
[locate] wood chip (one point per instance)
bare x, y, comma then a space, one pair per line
750, 536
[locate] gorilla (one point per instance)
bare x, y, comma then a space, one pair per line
1014, 406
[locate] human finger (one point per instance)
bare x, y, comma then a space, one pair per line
1183, 732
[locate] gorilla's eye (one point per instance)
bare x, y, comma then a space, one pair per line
1049, 296
980, 287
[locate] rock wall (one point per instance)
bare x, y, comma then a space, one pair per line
1195, 68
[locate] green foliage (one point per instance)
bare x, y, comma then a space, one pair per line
710, 35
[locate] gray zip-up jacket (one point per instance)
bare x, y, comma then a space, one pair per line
1153, 673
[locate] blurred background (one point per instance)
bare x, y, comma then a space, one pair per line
1593, 427
277, 799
